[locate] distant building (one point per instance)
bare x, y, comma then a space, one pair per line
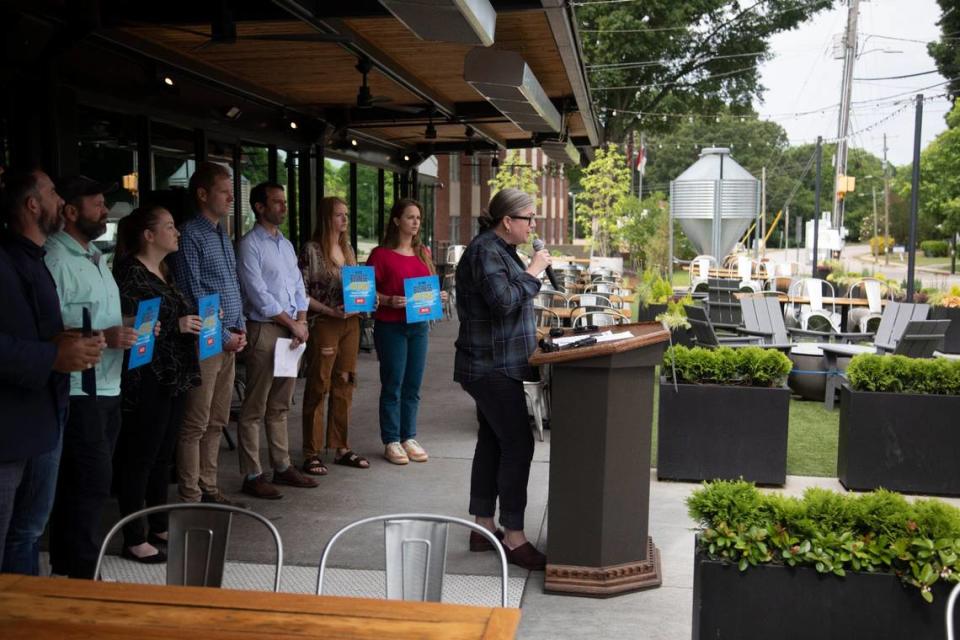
466, 192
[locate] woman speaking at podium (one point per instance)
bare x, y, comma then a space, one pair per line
495, 292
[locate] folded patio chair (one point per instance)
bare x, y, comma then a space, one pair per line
762, 316
705, 336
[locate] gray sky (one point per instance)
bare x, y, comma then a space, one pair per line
803, 77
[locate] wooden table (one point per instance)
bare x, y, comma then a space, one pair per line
33, 608
728, 273
840, 302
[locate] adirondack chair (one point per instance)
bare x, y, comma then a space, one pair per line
705, 335
722, 304
903, 331
761, 315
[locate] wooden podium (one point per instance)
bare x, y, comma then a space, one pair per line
601, 414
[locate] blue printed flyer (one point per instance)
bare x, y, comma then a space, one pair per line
359, 289
423, 299
210, 340
142, 350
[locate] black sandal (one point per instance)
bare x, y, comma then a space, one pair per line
314, 466
351, 459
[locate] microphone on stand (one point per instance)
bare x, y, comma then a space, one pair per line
538, 246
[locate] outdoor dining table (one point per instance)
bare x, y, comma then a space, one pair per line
33, 608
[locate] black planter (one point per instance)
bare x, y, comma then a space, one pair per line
682, 336
710, 431
899, 441
951, 343
775, 601
650, 312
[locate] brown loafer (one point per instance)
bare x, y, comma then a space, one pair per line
479, 543
527, 557
293, 478
260, 488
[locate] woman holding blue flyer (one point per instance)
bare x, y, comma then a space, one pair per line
153, 392
334, 341
401, 340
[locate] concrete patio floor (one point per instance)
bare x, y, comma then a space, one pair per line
307, 518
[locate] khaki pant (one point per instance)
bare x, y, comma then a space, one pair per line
206, 413
266, 398
333, 348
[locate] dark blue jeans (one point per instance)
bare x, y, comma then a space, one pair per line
402, 349
31, 510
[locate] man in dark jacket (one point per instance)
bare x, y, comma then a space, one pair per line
35, 356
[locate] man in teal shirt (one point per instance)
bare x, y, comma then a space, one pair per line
84, 280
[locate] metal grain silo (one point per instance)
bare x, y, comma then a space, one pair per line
715, 199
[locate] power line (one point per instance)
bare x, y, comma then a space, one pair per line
909, 75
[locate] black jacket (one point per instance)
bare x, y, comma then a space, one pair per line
32, 395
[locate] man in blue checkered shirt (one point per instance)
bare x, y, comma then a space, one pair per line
204, 265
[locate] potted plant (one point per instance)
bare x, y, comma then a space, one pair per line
653, 292
724, 416
825, 565
946, 306
898, 425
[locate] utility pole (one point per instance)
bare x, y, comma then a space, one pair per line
886, 203
642, 153
786, 227
763, 208
843, 120
873, 189
816, 206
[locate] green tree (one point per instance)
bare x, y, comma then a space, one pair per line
946, 51
939, 215
669, 57
605, 183
514, 173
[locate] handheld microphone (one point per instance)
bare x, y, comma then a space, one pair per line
538, 246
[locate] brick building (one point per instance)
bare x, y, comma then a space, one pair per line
465, 191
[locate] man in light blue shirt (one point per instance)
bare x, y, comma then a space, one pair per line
84, 281
275, 303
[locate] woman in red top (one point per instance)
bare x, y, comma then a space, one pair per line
401, 346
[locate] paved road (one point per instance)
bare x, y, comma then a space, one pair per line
855, 257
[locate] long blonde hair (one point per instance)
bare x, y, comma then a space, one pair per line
324, 232
391, 237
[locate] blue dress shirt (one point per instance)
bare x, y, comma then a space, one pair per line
270, 276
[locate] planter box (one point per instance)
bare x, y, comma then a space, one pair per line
775, 601
899, 441
650, 312
951, 343
710, 431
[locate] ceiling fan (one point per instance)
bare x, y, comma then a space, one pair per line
223, 31
366, 99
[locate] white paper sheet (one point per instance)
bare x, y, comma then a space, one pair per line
286, 361
609, 336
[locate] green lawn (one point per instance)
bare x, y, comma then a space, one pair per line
811, 443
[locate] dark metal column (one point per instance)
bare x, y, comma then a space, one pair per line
292, 201
304, 189
354, 213
144, 156
381, 186
200, 145
914, 201
272, 163
321, 170
816, 203
237, 204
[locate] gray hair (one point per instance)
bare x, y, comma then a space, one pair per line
506, 202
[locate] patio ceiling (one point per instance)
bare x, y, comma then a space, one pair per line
421, 82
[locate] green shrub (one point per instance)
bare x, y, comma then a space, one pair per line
900, 374
881, 244
833, 533
935, 248
653, 289
746, 366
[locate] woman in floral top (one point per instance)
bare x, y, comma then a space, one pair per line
153, 393
334, 341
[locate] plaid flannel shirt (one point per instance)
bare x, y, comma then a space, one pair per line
206, 264
495, 306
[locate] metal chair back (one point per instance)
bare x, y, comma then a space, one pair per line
951, 604
544, 317
198, 539
551, 299
602, 318
416, 554
590, 301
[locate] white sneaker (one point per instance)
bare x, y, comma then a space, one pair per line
414, 450
394, 453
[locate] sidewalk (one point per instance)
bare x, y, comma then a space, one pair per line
307, 518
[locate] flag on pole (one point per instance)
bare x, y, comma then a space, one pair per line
641, 159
